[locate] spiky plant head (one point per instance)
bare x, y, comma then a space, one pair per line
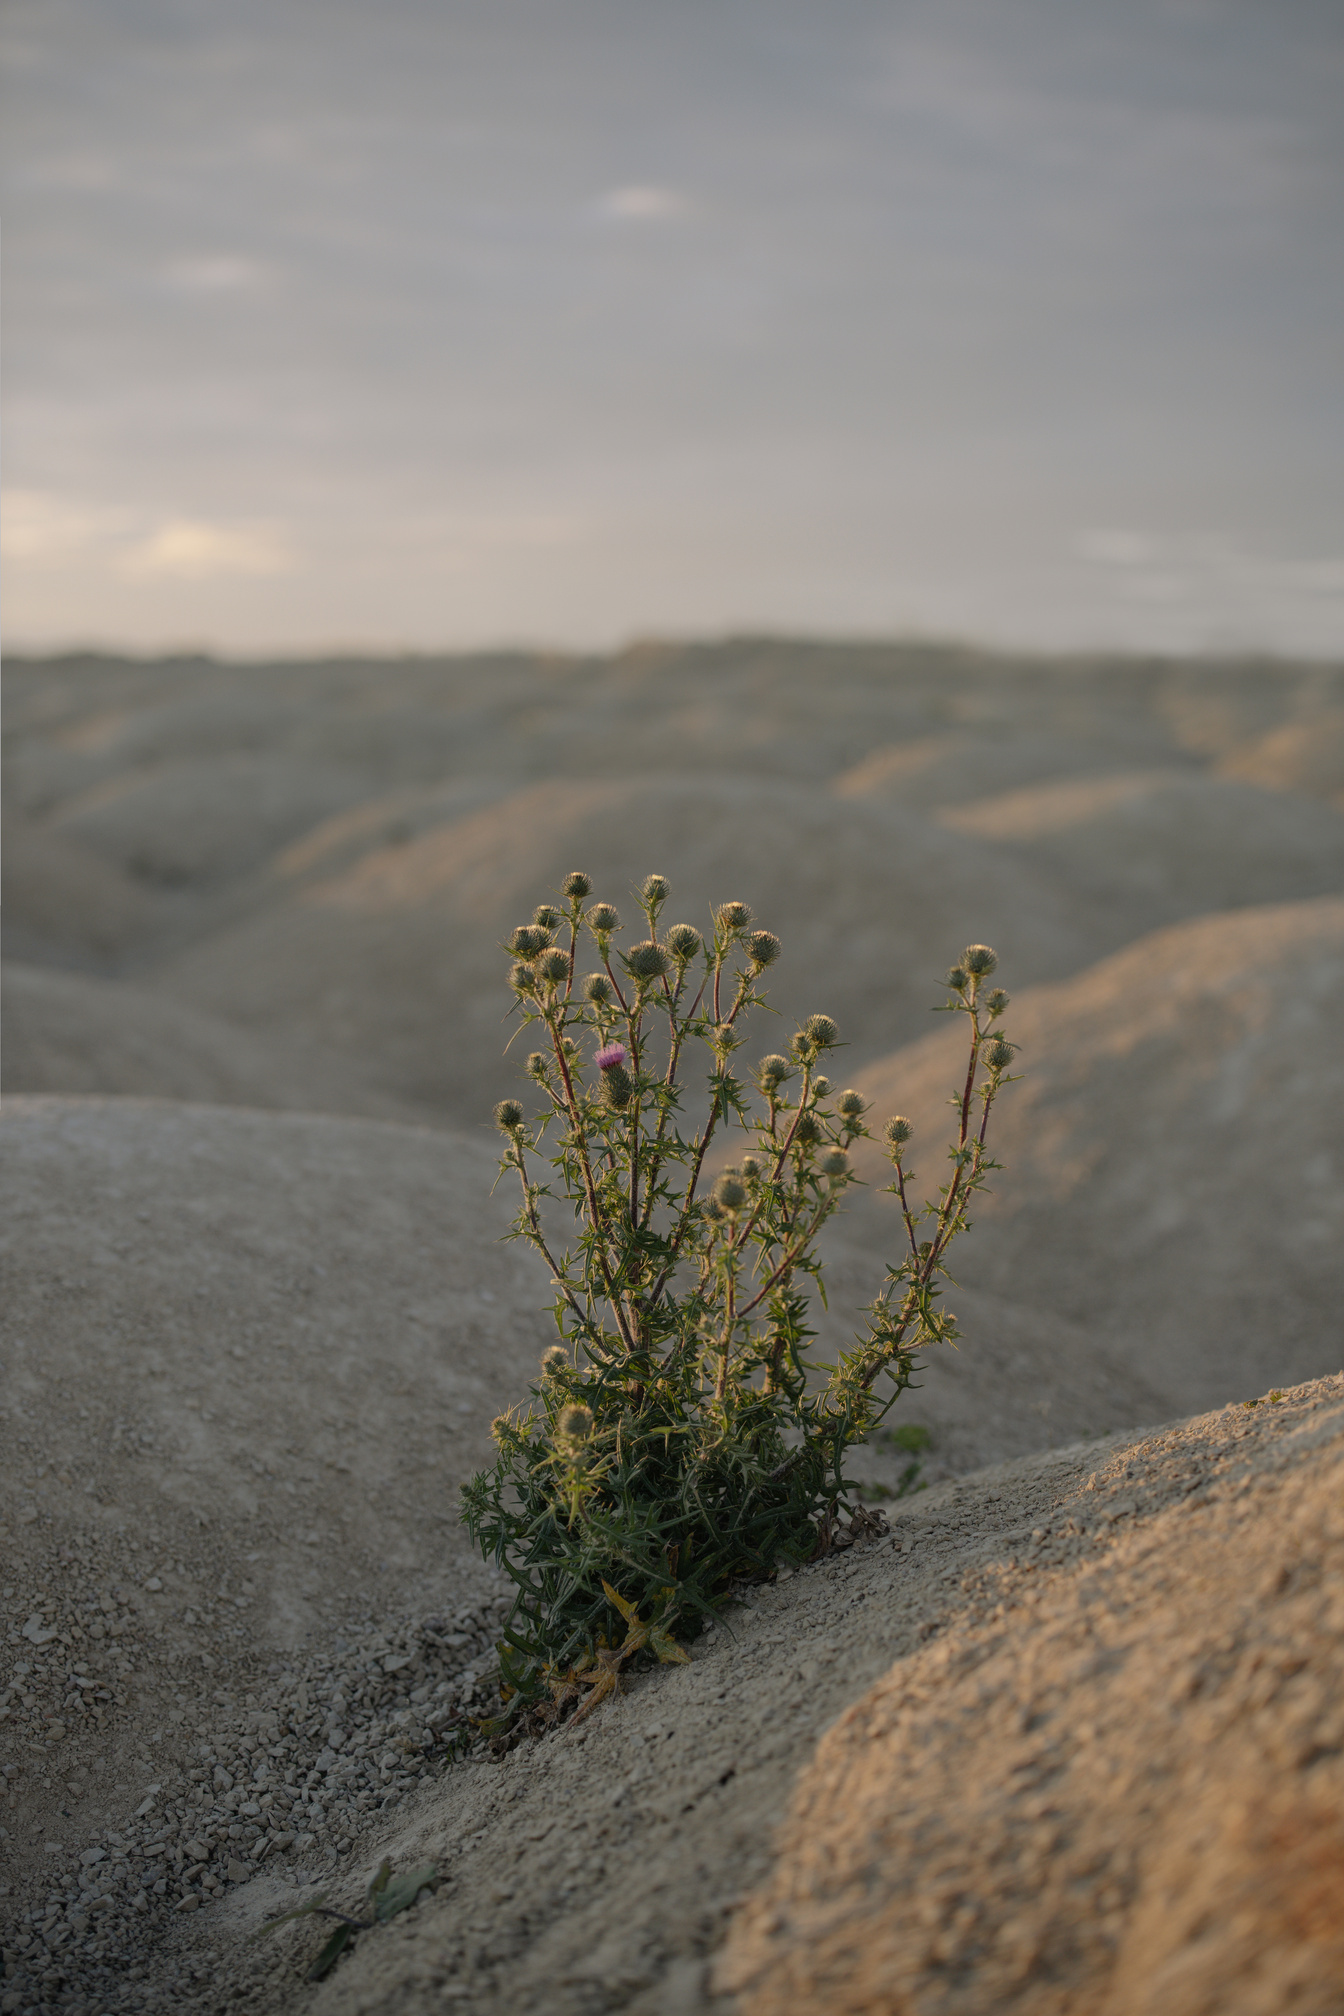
508, 1116
597, 989
897, 1131
733, 917
521, 978
576, 886
603, 919
549, 918
835, 1163
762, 949
683, 941
553, 966
539, 1066
996, 1000
648, 960
808, 1131
980, 960
654, 891
730, 1191
851, 1105
610, 1056
573, 1426
821, 1086
617, 1086
751, 1168
526, 940
958, 979
998, 1055
773, 1070
821, 1030
554, 1361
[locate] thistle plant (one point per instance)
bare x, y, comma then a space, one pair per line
679, 1435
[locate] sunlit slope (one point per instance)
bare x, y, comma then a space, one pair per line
1172, 1179
395, 956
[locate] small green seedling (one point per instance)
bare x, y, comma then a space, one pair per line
387, 1895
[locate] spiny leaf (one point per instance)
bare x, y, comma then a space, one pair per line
400, 1892
331, 1952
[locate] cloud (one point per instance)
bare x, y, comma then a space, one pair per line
190, 549
37, 527
1111, 547
640, 203
214, 273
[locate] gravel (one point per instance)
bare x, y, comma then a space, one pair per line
288, 1775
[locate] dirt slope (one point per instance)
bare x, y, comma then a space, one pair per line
981, 1765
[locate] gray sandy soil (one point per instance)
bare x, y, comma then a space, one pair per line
248, 1356
979, 1763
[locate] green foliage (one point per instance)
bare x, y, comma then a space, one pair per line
680, 1435
388, 1895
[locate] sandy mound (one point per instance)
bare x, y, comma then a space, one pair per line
1098, 1633
64, 904
396, 956
1303, 755
1170, 1179
78, 1033
250, 1356
1122, 1791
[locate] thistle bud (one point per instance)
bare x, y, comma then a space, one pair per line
539, 1066
730, 1191
958, 979
508, 1116
821, 1086
897, 1132
522, 979
597, 989
553, 966
820, 1030
979, 960
998, 1055
617, 1086
683, 942
773, 1070
603, 919
808, 1131
850, 1105
996, 1000
647, 960
751, 1168
577, 885
654, 891
549, 918
554, 1360
762, 949
526, 940
733, 917
572, 1428
713, 1210
835, 1163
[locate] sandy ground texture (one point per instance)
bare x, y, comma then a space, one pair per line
257, 1318
1067, 1737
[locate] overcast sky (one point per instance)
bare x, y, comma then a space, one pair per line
429, 322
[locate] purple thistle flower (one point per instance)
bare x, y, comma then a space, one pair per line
609, 1056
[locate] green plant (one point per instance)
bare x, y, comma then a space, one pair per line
678, 1435
912, 1440
388, 1896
